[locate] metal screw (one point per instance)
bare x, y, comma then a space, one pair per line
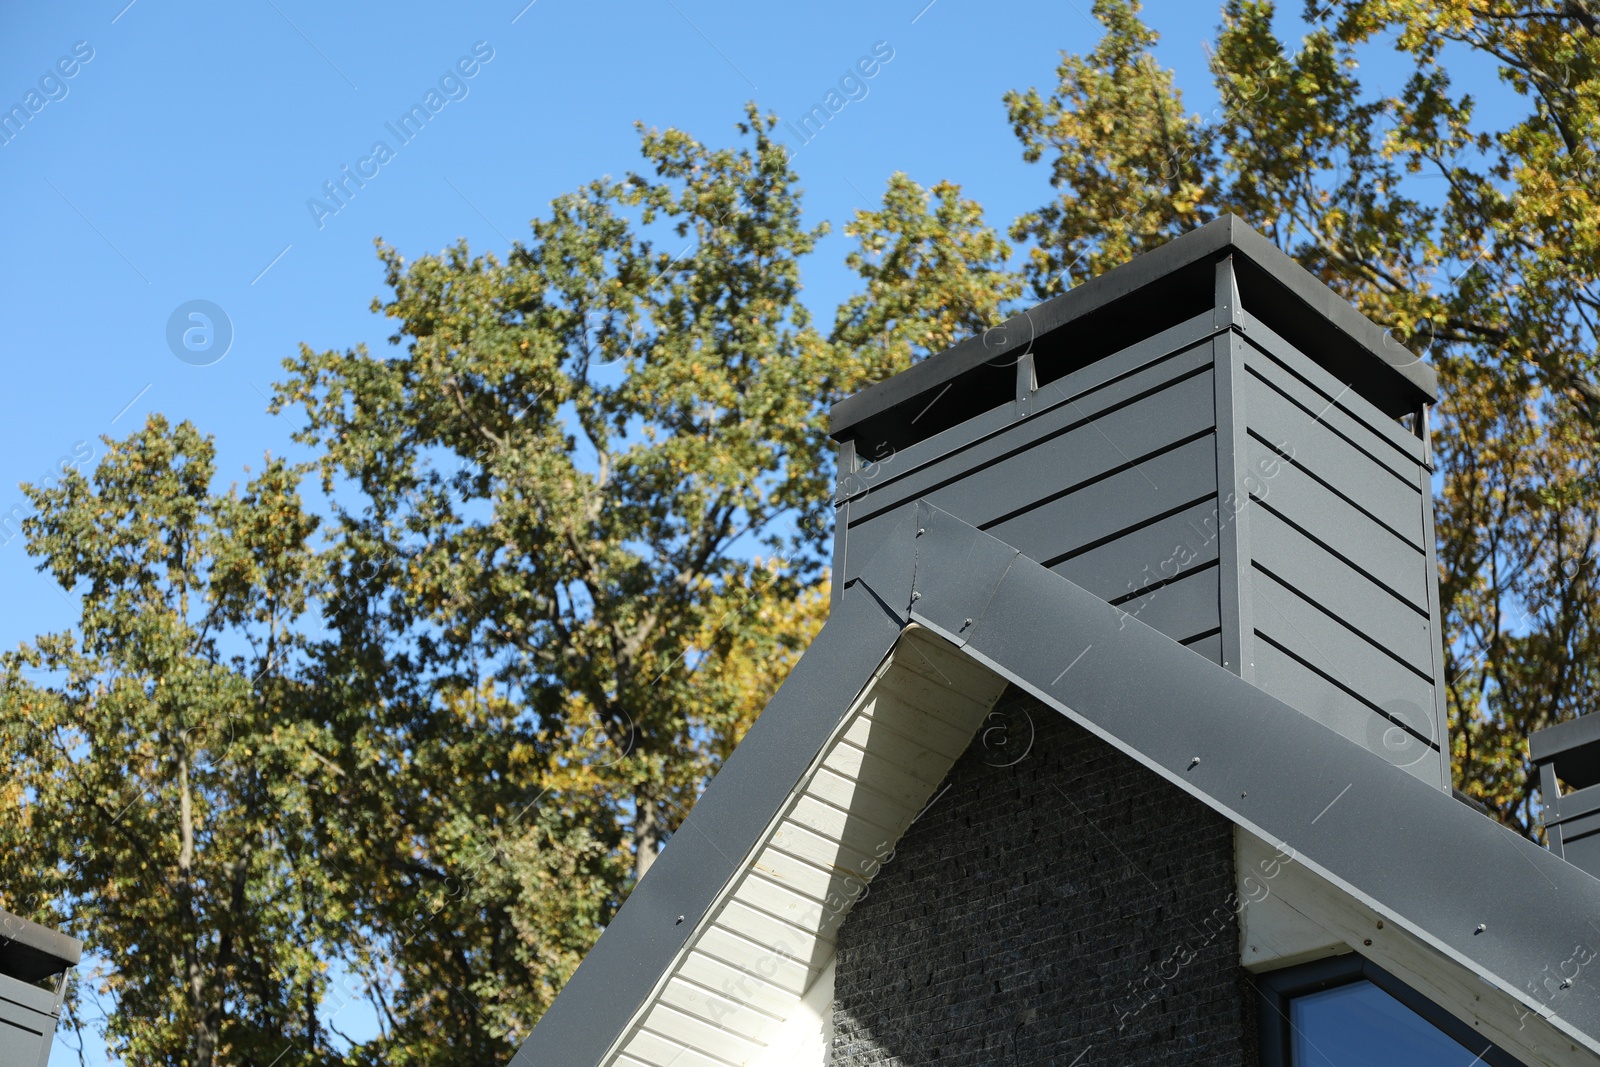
920, 531
916, 596
1481, 928
1194, 763
679, 922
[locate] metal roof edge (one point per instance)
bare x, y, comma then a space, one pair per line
1562, 737
653, 926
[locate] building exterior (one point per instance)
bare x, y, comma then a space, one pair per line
34, 961
1125, 741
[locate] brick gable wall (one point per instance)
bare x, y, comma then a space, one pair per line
1065, 908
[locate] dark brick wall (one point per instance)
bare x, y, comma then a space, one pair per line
1066, 909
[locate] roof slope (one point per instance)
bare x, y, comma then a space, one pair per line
1484, 897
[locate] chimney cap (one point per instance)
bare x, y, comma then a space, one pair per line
1573, 747
1357, 349
29, 952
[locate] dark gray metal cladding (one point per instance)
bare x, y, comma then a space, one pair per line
30, 954
1210, 439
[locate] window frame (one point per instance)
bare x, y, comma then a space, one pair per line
1277, 989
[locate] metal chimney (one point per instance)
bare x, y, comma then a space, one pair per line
1568, 755
1211, 439
30, 954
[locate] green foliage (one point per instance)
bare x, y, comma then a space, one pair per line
935, 273
1133, 166
543, 564
154, 752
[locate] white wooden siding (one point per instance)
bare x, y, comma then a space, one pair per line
748, 990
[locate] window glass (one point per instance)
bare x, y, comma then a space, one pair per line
1359, 1025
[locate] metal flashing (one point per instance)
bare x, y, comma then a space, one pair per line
963, 570
706, 853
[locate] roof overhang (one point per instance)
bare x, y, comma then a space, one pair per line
980, 614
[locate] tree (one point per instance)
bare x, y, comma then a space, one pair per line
575, 512
1493, 272
154, 750
418, 751
934, 273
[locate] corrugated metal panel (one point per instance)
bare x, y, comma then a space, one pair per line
1091, 388
1336, 571
1333, 648
1123, 500
1316, 573
1344, 411
1332, 459
1156, 551
1315, 695
1122, 452
1181, 609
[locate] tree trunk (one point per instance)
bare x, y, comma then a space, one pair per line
206, 1032
649, 829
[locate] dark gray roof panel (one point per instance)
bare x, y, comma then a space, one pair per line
1457, 880
977, 371
1573, 746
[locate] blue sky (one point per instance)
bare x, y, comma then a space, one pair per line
176, 162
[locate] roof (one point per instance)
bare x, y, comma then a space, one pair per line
1091, 319
979, 615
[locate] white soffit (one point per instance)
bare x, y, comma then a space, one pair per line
1290, 914
747, 969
